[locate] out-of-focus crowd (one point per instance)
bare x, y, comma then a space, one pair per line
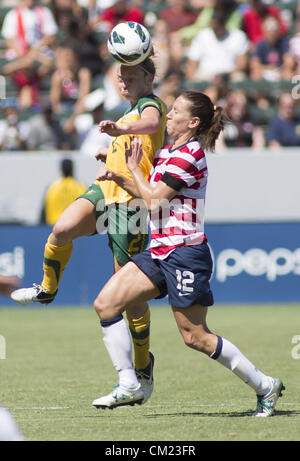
58, 80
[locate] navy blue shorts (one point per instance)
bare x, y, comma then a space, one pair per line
184, 275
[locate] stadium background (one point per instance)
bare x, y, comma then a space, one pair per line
252, 217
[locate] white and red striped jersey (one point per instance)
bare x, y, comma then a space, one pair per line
180, 221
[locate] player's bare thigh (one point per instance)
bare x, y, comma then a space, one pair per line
126, 289
76, 221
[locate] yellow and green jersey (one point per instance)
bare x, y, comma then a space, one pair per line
59, 196
115, 159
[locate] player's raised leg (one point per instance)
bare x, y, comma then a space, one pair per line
76, 221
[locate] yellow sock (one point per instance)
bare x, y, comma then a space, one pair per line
55, 260
140, 332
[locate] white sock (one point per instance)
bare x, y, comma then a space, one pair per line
231, 357
117, 341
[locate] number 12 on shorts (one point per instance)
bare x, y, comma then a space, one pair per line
184, 280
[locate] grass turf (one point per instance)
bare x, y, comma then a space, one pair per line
56, 365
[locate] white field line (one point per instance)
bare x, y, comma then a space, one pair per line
40, 408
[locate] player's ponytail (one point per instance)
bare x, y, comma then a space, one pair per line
212, 118
216, 126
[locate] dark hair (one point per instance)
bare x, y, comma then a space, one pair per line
67, 167
219, 16
212, 118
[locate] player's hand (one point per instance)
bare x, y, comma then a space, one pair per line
111, 128
101, 154
133, 153
104, 174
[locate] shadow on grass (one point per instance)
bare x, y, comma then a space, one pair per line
224, 414
227, 414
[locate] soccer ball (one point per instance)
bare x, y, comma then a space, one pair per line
129, 43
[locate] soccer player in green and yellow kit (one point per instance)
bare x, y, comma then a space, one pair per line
146, 118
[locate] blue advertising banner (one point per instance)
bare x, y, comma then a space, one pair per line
257, 262
253, 263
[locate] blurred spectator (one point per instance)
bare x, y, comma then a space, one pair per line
13, 132
95, 7
120, 11
61, 193
294, 45
71, 19
183, 37
284, 128
212, 92
218, 90
217, 50
98, 5
254, 16
69, 85
45, 132
29, 31
162, 49
271, 59
81, 61
177, 14
240, 131
74, 28
93, 54
170, 87
94, 143
228, 8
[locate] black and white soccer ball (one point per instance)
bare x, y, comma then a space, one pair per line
129, 43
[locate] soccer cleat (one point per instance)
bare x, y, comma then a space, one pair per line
120, 397
266, 403
145, 377
34, 294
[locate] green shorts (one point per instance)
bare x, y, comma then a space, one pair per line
127, 227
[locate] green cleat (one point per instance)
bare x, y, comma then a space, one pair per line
266, 403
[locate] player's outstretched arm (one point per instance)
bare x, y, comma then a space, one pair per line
148, 124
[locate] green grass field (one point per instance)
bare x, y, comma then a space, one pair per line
56, 365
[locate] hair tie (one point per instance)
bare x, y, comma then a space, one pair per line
215, 108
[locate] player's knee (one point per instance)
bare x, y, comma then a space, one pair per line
99, 305
195, 341
106, 306
189, 339
61, 230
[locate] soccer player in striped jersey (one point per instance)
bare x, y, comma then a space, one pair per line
178, 262
146, 118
